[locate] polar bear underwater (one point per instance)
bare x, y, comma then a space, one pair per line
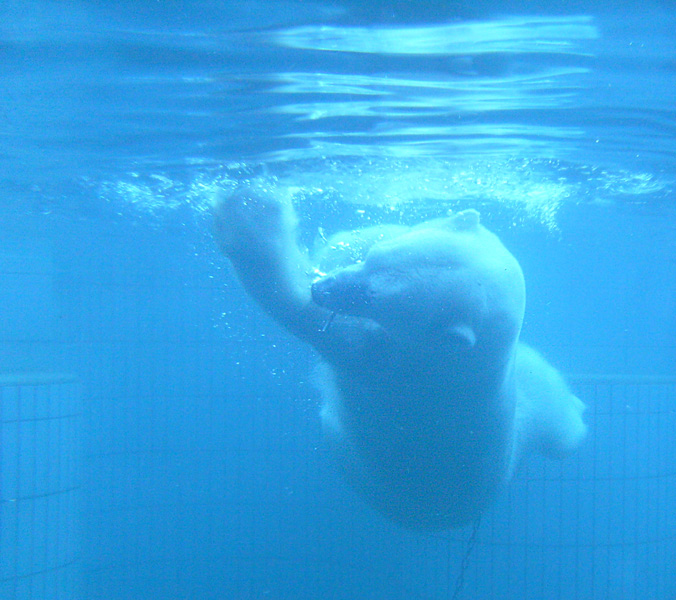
429, 399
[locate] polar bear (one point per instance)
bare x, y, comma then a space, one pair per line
429, 399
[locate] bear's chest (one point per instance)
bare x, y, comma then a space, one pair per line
407, 407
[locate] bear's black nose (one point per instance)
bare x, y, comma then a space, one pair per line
321, 290
341, 294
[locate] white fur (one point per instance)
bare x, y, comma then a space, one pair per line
429, 400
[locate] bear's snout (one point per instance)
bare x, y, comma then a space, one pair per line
340, 296
321, 290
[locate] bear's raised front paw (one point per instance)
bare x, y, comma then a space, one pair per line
247, 219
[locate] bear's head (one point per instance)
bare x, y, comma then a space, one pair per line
448, 280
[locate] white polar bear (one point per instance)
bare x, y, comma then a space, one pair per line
429, 398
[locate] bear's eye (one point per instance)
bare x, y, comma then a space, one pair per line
387, 282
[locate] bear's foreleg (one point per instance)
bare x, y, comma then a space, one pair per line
256, 230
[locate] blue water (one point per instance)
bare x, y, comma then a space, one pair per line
203, 470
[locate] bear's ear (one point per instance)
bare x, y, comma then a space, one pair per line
462, 335
466, 219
